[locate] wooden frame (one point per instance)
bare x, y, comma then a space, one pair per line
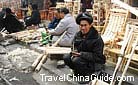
99, 82
130, 48
128, 62
115, 22
50, 50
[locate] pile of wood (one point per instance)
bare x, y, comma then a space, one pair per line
99, 13
68, 5
14, 4
27, 36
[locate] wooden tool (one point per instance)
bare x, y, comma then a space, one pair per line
42, 59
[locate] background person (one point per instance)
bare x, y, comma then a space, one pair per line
35, 18
68, 24
55, 20
11, 23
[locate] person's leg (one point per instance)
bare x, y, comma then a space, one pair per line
82, 66
68, 61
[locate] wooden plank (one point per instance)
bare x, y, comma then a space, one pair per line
128, 62
126, 6
58, 50
135, 57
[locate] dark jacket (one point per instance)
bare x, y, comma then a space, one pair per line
91, 47
1, 19
34, 19
53, 23
12, 24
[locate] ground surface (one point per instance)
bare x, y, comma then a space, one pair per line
16, 59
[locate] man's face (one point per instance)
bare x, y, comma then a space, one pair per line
56, 14
62, 15
84, 26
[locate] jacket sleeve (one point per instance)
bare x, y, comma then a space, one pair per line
88, 56
61, 27
96, 55
51, 24
32, 18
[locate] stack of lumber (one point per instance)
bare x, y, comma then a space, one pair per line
99, 13
14, 4
76, 8
27, 36
68, 5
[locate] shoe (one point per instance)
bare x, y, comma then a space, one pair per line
60, 64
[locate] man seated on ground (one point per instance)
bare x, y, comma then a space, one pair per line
35, 18
68, 24
2, 14
88, 56
11, 23
56, 19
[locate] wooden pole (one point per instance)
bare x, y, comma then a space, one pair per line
35, 63
128, 62
56, 43
42, 58
116, 70
126, 6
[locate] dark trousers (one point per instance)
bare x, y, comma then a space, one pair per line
79, 65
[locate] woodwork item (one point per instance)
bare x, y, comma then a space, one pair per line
35, 63
44, 57
27, 36
116, 70
99, 82
128, 62
120, 50
115, 22
134, 59
55, 44
76, 8
50, 50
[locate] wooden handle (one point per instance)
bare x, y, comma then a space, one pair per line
116, 70
55, 44
43, 60
128, 62
37, 61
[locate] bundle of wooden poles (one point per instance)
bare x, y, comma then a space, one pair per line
36, 66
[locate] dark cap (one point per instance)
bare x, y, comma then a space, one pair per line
84, 16
34, 6
64, 10
8, 10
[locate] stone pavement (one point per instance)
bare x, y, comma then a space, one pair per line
48, 69
52, 67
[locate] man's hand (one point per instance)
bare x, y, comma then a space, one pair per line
75, 54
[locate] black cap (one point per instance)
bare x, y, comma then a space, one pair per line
34, 6
8, 10
84, 16
64, 10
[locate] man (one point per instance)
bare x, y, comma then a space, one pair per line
68, 24
87, 56
11, 23
56, 19
2, 14
35, 17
